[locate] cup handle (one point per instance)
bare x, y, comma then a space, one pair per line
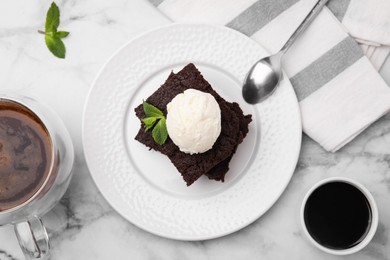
33, 239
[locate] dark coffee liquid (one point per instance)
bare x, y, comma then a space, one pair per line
337, 215
25, 154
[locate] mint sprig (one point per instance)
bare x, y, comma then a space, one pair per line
156, 121
52, 35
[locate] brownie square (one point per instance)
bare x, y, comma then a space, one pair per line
213, 163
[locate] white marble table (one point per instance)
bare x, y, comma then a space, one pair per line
83, 225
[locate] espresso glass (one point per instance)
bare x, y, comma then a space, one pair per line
370, 208
26, 216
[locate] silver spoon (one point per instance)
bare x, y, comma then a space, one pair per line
265, 75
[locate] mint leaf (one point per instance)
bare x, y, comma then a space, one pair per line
62, 34
155, 120
159, 132
149, 122
151, 111
56, 46
52, 36
52, 18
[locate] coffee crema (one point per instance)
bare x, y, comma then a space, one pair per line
25, 154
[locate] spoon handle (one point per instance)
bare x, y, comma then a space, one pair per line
304, 24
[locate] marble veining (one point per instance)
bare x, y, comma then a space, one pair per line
83, 225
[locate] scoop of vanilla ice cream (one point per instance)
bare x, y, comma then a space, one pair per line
193, 121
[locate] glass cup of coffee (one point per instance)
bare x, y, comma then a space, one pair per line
339, 216
36, 161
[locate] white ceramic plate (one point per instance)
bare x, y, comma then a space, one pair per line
142, 185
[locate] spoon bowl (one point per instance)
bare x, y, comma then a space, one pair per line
262, 79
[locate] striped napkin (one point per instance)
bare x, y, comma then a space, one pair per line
338, 88
370, 27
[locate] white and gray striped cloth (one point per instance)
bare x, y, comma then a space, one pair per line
339, 90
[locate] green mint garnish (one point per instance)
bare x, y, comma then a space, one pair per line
52, 36
160, 132
156, 121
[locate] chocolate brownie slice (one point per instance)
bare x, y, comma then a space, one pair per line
234, 126
219, 171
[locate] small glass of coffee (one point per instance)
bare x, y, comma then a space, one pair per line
339, 216
36, 161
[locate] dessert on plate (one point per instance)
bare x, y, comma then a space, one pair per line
204, 130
